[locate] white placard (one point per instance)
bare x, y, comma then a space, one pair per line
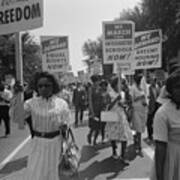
124, 68
96, 68
148, 47
20, 15
118, 41
55, 53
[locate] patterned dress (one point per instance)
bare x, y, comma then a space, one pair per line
119, 130
47, 116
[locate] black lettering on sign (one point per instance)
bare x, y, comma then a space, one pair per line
27, 12
1, 17
11, 15
36, 12
17, 14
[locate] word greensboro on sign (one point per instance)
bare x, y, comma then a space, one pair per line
17, 14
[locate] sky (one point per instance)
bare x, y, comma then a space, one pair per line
80, 20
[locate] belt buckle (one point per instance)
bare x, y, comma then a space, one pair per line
43, 134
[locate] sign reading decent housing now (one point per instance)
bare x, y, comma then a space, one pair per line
148, 48
20, 15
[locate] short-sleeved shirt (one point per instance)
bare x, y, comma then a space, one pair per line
166, 117
47, 115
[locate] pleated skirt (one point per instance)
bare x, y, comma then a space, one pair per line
43, 161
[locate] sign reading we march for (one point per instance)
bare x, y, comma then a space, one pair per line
118, 41
19, 15
55, 53
148, 46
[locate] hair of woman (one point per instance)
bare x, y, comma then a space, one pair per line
137, 78
50, 77
171, 81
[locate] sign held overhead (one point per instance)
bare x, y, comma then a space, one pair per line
148, 47
55, 53
16, 15
118, 41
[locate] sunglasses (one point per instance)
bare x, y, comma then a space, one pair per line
44, 85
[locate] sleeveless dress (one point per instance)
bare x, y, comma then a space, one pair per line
139, 115
43, 160
167, 129
119, 130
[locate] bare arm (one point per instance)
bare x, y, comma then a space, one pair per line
90, 102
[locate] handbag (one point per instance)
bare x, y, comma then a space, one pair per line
109, 116
129, 113
70, 156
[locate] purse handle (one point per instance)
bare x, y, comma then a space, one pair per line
70, 134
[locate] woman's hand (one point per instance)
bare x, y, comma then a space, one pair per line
118, 97
18, 87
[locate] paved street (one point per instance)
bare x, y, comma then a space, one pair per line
96, 162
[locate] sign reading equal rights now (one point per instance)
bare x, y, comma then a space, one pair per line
20, 15
55, 53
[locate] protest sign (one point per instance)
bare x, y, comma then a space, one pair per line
96, 68
148, 45
55, 53
118, 41
16, 15
124, 67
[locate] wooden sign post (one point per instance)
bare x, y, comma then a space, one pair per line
19, 77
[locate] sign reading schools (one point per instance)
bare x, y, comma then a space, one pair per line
148, 49
118, 41
55, 54
19, 15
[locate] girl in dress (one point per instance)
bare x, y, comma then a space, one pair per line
139, 114
118, 131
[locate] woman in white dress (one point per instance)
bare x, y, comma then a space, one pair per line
139, 114
48, 113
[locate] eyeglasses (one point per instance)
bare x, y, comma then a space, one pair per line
44, 85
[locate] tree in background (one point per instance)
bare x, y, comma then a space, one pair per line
158, 14
31, 56
30, 52
149, 15
92, 49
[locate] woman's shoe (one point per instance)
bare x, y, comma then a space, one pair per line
139, 152
115, 156
124, 161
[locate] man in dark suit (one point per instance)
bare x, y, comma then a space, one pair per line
79, 101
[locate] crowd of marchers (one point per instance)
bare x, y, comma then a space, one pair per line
132, 107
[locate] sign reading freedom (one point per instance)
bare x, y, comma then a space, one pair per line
20, 15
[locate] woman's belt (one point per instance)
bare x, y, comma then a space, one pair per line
48, 135
174, 135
